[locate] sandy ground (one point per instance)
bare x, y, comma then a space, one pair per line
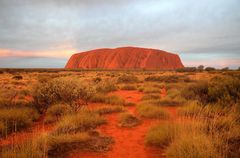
129, 142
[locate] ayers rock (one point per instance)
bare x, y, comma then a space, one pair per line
125, 58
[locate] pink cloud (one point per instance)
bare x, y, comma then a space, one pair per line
55, 53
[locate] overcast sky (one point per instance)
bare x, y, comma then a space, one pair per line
45, 33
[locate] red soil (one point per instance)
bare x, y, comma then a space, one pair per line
125, 58
129, 143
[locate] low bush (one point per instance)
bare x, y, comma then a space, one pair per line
161, 135
107, 99
128, 79
151, 111
17, 77
187, 69
128, 120
114, 100
151, 90
97, 79
151, 96
168, 79
223, 91
210, 69
106, 87
56, 111
128, 87
62, 90
168, 101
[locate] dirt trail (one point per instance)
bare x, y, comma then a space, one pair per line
38, 128
129, 142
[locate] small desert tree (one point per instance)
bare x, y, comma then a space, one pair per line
200, 68
62, 90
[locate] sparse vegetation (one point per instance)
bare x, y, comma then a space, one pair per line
17, 77
80, 122
77, 104
15, 119
107, 109
161, 135
151, 111
56, 111
128, 79
168, 79
73, 92
128, 120
128, 87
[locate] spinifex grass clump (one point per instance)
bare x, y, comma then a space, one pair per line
152, 111
15, 119
168, 78
161, 135
128, 79
82, 121
107, 109
108, 99
56, 111
106, 86
128, 87
128, 120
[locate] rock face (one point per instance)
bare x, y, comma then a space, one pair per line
125, 58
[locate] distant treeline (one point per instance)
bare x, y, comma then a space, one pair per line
201, 68
56, 70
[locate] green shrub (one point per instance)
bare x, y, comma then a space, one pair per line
127, 79
151, 111
128, 120
82, 121
161, 135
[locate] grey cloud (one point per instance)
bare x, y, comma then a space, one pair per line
186, 26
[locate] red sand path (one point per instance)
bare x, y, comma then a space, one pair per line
129, 142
